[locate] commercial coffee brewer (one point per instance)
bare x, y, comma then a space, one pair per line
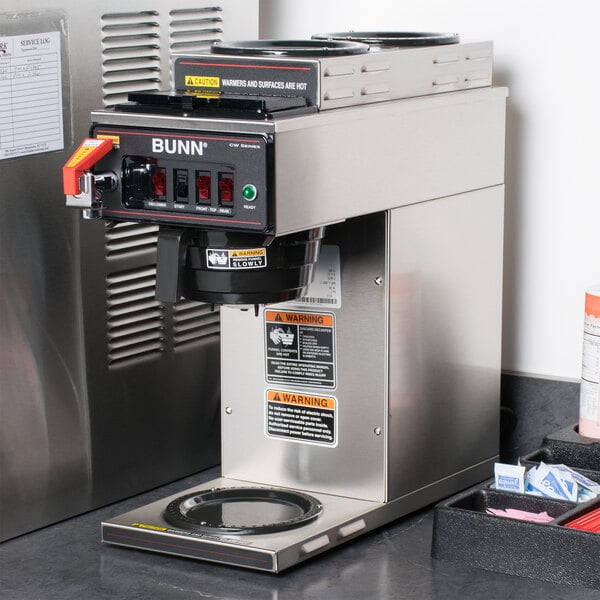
342, 199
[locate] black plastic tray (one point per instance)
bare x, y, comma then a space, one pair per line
569, 448
463, 531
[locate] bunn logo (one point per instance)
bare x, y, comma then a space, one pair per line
177, 146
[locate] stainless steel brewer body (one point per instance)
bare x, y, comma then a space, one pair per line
378, 392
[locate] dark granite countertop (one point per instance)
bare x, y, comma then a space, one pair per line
66, 561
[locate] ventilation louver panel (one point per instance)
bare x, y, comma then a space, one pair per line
135, 321
195, 29
127, 239
194, 321
130, 54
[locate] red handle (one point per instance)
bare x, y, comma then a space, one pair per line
90, 151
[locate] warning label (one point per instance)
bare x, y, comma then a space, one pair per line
116, 139
301, 417
202, 81
300, 348
250, 258
256, 76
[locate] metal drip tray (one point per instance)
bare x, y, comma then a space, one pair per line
242, 510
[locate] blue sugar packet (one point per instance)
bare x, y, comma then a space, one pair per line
544, 481
550, 481
571, 488
510, 478
568, 474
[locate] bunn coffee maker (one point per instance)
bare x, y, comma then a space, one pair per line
342, 199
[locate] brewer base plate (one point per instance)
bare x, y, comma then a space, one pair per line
147, 528
341, 520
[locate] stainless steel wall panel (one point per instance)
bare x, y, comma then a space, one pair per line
78, 428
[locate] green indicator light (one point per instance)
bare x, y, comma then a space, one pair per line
249, 192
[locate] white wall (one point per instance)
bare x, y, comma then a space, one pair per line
547, 52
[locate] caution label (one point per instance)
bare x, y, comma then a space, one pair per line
300, 348
249, 258
202, 81
301, 417
116, 139
146, 526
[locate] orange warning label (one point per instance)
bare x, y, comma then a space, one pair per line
301, 417
300, 399
278, 316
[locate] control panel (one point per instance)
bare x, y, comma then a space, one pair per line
188, 178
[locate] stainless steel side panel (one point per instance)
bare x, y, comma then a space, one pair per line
444, 329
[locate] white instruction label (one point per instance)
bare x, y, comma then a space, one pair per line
325, 291
30, 94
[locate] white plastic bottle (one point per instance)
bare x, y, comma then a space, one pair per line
589, 396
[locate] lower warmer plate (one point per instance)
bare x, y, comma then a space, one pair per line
147, 528
332, 521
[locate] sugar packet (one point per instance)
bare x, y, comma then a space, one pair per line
587, 488
544, 481
550, 481
510, 478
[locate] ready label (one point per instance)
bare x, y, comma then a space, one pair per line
300, 348
301, 417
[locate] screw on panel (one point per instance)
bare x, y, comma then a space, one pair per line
228, 410
377, 431
378, 281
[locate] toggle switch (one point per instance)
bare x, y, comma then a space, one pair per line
158, 178
180, 183
202, 186
225, 188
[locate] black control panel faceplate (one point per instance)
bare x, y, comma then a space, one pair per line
188, 178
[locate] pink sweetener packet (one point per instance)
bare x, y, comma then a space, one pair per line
521, 515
